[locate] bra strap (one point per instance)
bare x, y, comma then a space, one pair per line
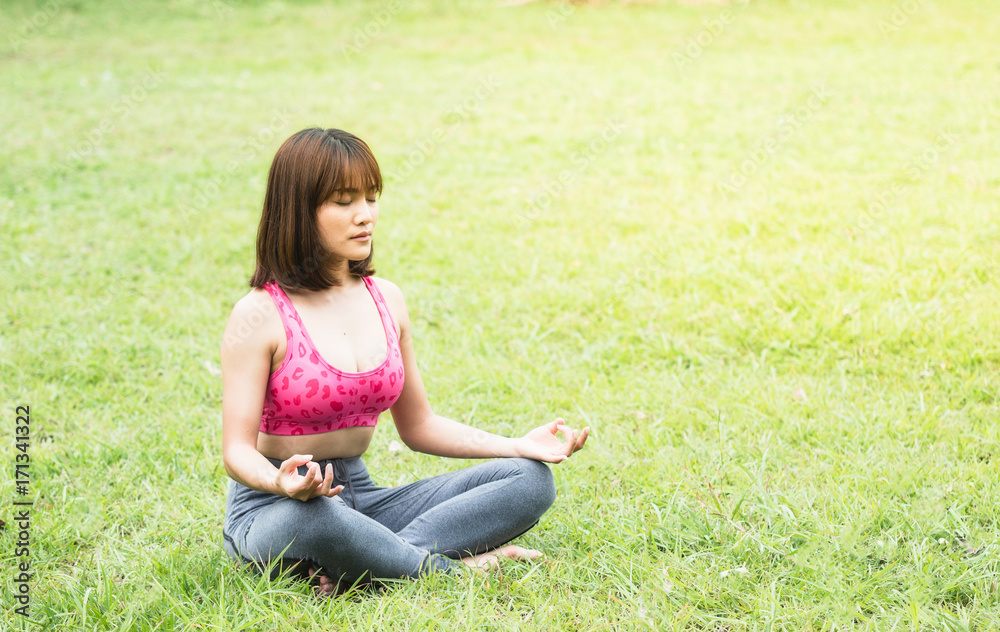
383, 307
289, 317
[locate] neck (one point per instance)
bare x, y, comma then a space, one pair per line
341, 270
345, 281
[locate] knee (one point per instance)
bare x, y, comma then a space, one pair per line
293, 529
538, 485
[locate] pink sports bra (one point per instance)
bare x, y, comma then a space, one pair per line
305, 395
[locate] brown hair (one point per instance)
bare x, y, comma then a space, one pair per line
307, 170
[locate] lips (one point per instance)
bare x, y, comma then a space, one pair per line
362, 235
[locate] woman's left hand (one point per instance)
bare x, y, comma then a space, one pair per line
543, 443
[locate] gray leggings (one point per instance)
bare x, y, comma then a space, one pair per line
388, 532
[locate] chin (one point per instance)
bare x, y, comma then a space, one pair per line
367, 253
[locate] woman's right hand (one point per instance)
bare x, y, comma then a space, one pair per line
314, 483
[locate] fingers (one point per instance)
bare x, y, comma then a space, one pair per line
312, 477
574, 440
326, 487
559, 426
313, 485
545, 444
570, 444
314, 482
292, 463
326, 482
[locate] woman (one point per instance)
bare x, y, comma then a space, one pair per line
310, 358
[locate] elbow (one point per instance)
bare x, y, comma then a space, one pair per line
228, 462
413, 435
410, 440
410, 423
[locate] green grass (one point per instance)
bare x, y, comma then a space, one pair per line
756, 251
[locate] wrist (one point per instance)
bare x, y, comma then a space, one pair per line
486, 445
514, 447
276, 487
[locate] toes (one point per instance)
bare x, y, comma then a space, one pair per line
326, 587
484, 562
322, 584
489, 562
520, 553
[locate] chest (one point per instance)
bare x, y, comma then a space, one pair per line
349, 337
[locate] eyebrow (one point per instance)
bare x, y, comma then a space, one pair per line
368, 190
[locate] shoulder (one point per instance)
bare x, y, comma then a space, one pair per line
254, 320
388, 288
394, 297
256, 303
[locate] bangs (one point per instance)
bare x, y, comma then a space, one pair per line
349, 166
307, 170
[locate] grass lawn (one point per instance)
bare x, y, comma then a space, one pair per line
754, 246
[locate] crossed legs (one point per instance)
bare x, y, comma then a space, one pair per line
406, 531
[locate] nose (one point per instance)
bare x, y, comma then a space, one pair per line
364, 214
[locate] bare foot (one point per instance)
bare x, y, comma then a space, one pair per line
326, 587
491, 560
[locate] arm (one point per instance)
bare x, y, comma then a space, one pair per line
247, 347
424, 431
